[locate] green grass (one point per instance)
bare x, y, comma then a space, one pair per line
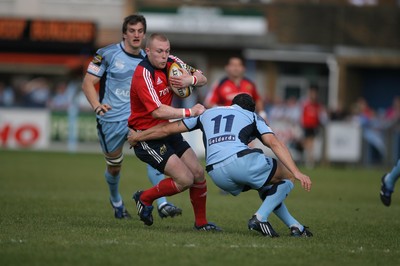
55, 211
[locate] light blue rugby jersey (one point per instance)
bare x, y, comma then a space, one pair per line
227, 130
115, 67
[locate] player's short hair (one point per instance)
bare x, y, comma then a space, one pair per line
245, 101
133, 20
156, 36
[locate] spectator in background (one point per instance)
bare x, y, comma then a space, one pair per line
234, 83
60, 100
36, 93
338, 114
363, 110
277, 110
293, 110
392, 114
372, 127
284, 117
313, 116
6, 95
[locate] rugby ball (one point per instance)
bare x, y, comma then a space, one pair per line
175, 71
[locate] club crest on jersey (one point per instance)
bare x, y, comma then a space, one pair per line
119, 64
163, 149
97, 59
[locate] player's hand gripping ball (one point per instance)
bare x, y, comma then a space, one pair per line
175, 70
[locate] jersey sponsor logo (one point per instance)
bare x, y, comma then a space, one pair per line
93, 68
159, 81
220, 139
164, 92
122, 92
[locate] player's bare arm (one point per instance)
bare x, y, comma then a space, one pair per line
157, 132
201, 79
168, 112
88, 88
284, 156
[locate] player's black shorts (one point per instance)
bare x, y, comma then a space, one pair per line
157, 152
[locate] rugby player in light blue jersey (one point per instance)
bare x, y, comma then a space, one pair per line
112, 68
234, 167
388, 182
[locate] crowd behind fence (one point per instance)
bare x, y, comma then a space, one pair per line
380, 128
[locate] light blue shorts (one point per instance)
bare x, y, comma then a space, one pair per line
240, 173
112, 135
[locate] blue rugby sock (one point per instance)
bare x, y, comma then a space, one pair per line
113, 183
274, 196
391, 178
283, 213
155, 177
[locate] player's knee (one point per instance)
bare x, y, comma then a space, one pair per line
184, 183
114, 164
282, 173
198, 175
291, 178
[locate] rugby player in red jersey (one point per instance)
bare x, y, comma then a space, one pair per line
151, 99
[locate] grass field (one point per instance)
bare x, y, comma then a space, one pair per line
55, 211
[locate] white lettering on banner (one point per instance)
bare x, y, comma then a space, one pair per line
24, 128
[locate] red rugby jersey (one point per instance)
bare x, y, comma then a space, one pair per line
149, 90
310, 116
224, 92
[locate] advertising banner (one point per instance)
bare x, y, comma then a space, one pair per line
343, 141
24, 128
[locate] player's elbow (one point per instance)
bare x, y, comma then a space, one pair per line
204, 80
270, 140
158, 114
276, 144
163, 112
